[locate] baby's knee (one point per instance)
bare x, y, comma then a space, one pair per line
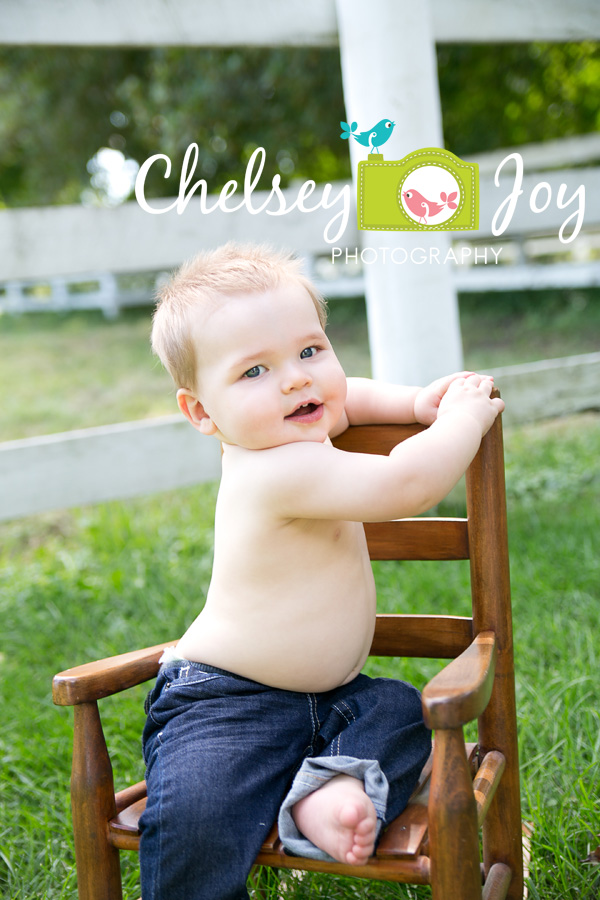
402, 700
404, 708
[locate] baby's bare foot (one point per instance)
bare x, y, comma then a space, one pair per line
340, 819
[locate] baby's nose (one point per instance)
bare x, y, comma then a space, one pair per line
295, 377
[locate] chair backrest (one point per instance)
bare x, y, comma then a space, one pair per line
481, 538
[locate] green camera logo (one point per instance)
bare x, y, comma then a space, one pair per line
428, 190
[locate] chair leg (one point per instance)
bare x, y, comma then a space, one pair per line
93, 804
488, 544
453, 832
502, 829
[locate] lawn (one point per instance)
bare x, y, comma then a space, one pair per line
82, 584
59, 372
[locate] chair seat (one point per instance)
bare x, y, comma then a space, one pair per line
405, 838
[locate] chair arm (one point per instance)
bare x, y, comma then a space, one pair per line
461, 691
95, 680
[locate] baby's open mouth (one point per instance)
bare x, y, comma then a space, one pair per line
307, 409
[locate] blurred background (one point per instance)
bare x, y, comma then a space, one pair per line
76, 124
95, 561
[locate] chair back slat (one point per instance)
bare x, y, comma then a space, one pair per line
434, 637
426, 538
423, 538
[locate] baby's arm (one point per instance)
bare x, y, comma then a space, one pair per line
375, 402
416, 475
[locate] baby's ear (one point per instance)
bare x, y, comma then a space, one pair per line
194, 412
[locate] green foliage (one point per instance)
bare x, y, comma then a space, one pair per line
510, 94
54, 115
59, 106
143, 102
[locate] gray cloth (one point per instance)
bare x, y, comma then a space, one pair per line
313, 774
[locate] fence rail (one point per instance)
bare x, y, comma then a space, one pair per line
43, 244
93, 465
201, 23
196, 23
40, 243
103, 291
136, 458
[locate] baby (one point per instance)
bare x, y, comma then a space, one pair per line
261, 708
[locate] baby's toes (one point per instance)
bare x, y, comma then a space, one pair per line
365, 829
359, 854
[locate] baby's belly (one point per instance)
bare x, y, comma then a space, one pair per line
299, 646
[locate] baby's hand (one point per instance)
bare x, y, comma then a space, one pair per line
471, 394
428, 399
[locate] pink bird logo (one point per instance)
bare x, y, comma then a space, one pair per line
421, 208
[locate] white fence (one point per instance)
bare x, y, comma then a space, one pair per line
97, 464
261, 23
47, 243
136, 458
124, 460
375, 76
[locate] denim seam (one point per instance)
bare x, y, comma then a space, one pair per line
312, 704
349, 719
335, 747
313, 778
190, 683
316, 707
160, 807
349, 710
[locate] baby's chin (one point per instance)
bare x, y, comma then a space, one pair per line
314, 438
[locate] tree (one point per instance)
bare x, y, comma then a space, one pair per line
59, 106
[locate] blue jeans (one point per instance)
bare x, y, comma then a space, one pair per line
223, 753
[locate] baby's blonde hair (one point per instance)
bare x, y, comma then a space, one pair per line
231, 269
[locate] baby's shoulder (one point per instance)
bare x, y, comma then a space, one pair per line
283, 455
264, 471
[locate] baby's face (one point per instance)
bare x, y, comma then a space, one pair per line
268, 374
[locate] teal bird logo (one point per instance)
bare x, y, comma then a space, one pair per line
373, 138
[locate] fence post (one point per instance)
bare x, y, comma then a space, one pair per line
389, 71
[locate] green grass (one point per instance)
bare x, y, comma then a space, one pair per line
503, 329
78, 370
95, 581
60, 372
87, 583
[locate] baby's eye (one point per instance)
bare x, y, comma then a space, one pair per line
254, 372
308, 352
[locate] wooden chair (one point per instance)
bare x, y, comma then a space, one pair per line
464, 788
